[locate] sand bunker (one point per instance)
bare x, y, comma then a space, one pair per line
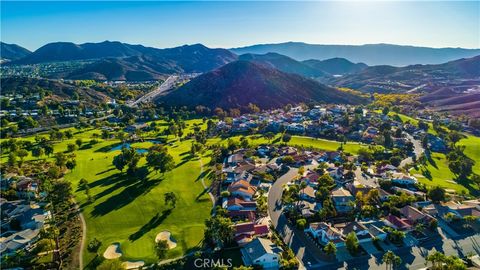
166, 235
133, 264
113, 251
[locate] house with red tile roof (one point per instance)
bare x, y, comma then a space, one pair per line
242, 189
246, 232
415, 216
398, 223
237, 204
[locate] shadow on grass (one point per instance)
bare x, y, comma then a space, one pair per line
108, 148
204, 191
151, 224
204, 174
105, 171
430, 159
185, 159
133, 189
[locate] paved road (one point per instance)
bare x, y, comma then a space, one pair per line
417, 150
168, 84
304, 248
84, 234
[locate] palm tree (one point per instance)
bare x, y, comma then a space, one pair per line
388, 259
391, 260
437, 258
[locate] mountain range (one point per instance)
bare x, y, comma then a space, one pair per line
121, 61
384, 78
239, 83
12, 51
370, 54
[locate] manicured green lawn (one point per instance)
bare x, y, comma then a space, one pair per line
131, 213
437, 173
350, 147
321, 144
472, 150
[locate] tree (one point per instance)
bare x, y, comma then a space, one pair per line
351, 241
269, 136
286, 138
170, 199
12, 159
437, 259
161, 248
60, 160
301, 223
385, 110
71, 164
288, 160
391, 260
61, 192
127, 158
94, 245
301, 171
54, 172
330, 249
48, 147
159, 159
22, 153
78, 142
219, 230
437, 194
37, 151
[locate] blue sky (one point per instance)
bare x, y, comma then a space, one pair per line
234, 24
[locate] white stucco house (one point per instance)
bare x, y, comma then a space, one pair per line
262, 252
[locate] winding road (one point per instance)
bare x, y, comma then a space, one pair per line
417, 150
304, 248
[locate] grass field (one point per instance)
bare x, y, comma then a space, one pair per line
437, 173
472, 150
131, 213
321, 144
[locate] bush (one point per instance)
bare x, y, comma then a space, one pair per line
301, 223
94, 245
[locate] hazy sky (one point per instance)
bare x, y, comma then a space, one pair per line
234, 24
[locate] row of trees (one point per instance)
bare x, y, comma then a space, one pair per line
157, 158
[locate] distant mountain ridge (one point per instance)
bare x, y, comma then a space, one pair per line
68, 51
415, 75
239, 83
113, 60
12, 51
283, 63
335, 66
370, 54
